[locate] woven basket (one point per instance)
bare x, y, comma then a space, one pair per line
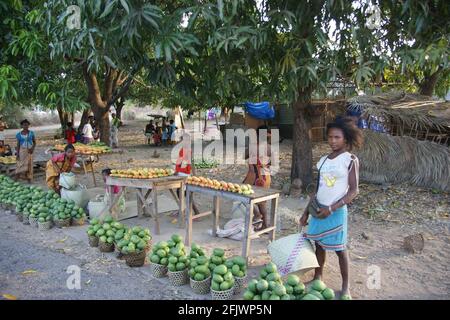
106, 247
158, 270
19, 216
239, 284
201, 287
47, 225
222, 295
178, 278
135, 259
25, 219
149, 247
62, 223
33, 222
93, 241
78, 222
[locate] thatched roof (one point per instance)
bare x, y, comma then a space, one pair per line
393, 159
411, 110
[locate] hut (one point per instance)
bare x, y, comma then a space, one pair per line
408, 141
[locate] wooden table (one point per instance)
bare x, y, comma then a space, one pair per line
87, 162
149, 188
249, 201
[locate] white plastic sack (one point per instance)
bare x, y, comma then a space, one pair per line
292, 253
233, 229
67, 180
78, 194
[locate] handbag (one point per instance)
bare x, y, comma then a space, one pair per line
314, 205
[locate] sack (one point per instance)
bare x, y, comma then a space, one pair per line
78, 194
67, 180
293, 253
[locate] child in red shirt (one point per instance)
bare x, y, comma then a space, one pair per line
70, 133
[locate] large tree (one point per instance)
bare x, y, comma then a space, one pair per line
113, 42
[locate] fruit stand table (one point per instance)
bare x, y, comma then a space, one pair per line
148, 189
260, 195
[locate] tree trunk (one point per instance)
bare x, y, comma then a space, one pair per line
119, 106
63, 118
426, 87
301, 141
102, 120
83, 120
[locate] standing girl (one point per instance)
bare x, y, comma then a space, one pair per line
338, 186
26, 142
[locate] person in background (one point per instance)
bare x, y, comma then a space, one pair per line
3, 126
157, 135
171, 133
5, 149
165, 134
26, 142
183, 167
88, 131
59, 163
114, 137
70, 133
116, 190
149, 131
259, 173
338, 186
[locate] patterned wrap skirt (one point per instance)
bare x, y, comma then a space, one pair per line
329, 233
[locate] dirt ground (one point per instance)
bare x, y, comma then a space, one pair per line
379, 219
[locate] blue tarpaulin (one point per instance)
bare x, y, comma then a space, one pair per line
261, 110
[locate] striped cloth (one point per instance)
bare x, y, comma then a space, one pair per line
330, 233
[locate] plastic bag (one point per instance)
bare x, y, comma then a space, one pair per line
67, 180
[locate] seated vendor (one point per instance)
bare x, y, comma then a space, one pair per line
5, 149
59, 163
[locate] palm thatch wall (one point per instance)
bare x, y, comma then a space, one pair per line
414, 115
394, 159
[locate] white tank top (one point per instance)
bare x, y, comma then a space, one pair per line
333, 183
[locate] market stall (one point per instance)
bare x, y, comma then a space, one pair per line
147, 190
248, 200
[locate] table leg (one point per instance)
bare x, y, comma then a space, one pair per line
84, 165
273, 217
216, 215
188, 239
140, 204
247, 230
181, 203
93, 173
155, 209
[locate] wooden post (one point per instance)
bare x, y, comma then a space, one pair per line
273, 217
182, 214
155, 209
140, 204
188, 238
216, 215
247, 230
